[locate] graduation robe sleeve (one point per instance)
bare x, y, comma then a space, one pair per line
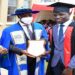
5, 63
5, 39
16, 50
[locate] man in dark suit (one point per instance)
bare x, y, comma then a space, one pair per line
63, 44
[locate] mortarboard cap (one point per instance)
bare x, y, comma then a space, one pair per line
61, 6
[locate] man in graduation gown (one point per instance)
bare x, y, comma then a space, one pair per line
18, 35
63, 41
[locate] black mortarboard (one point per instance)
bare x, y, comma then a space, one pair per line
61, 6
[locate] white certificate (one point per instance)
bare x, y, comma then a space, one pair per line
36, 47
4, 71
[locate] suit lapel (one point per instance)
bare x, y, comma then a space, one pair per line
55, 33
64, 34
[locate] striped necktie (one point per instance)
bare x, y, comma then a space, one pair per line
30, 32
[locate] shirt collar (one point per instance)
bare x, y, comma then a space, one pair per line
66, 23
22, 24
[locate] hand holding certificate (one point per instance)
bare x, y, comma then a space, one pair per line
36, 47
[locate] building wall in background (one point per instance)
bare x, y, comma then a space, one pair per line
8, 7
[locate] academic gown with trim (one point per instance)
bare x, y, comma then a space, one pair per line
7, 39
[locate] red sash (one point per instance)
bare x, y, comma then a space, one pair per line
67, 46
50, 36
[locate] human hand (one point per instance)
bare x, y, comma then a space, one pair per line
27, 54
67, 71
3, 50
44, 54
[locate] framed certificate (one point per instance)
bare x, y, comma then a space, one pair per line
36, 47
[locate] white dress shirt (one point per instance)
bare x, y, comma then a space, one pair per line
25, 29
65, 26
